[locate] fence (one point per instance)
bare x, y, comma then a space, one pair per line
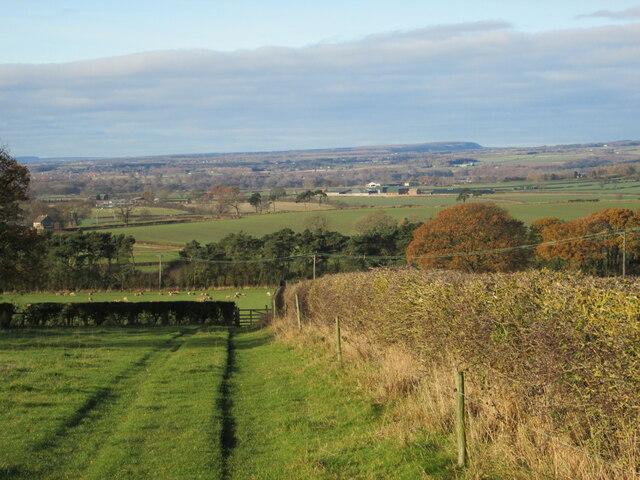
250, 317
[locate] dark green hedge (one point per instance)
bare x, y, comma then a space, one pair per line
6, 313
110, 313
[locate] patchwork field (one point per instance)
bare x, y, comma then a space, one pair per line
526, 208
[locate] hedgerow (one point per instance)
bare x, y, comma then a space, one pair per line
567, 346
111, 313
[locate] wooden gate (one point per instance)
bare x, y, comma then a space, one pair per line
248, 317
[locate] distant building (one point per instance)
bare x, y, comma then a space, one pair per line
43, 222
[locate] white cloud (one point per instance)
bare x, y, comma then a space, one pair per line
480, 82
628, 14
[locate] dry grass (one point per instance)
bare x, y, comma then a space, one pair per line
509, 430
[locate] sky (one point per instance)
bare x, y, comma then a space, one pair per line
109, 78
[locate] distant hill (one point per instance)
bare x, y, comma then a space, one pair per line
309, 153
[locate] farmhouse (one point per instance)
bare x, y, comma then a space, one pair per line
43, 222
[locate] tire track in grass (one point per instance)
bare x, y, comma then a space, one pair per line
106, 394
99, 407
173, 428
228, 439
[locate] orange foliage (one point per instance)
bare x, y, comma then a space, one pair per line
596, 247
452, 237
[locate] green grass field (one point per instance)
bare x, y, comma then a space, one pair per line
192, 403
110, 403
259, 225
109, 215
528, 208
249, 298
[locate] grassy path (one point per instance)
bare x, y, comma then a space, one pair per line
191, 403
296, 416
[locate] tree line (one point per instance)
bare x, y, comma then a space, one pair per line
240, 259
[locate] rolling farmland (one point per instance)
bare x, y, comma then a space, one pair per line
528, 209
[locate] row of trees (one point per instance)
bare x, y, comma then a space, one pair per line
482, 237
228, 198
240, 259
52, 262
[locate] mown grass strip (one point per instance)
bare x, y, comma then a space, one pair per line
59, 389
172, 429
297, 415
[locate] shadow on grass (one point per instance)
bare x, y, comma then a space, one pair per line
106, 394
91, 337
228, 439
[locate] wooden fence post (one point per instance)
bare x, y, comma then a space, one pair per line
298, 312
273, 304
460, 427
338, 340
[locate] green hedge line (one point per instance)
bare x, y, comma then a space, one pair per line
569, 343
6, 314
121, 314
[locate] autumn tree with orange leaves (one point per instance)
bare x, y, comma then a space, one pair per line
592, 244
455, 237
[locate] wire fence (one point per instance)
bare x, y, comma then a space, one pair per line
506, 418
492, 251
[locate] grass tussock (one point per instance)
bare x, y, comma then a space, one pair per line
551, 363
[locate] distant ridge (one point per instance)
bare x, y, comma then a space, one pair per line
378, 149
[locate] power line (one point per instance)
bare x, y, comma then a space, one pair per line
493, 251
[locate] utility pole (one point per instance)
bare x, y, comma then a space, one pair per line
624, 254
314, 266
160, 273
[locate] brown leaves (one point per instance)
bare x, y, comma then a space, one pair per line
456, 235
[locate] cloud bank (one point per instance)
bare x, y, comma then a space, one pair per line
628, 14
480, 82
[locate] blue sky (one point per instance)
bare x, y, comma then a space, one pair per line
109, 78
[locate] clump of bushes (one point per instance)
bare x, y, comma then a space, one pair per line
556, 352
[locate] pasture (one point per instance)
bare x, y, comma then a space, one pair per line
259, 225
248, 298
111, 403
527, 208
192, 403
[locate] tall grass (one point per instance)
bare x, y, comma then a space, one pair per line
551, 360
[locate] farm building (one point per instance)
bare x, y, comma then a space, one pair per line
43, 222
